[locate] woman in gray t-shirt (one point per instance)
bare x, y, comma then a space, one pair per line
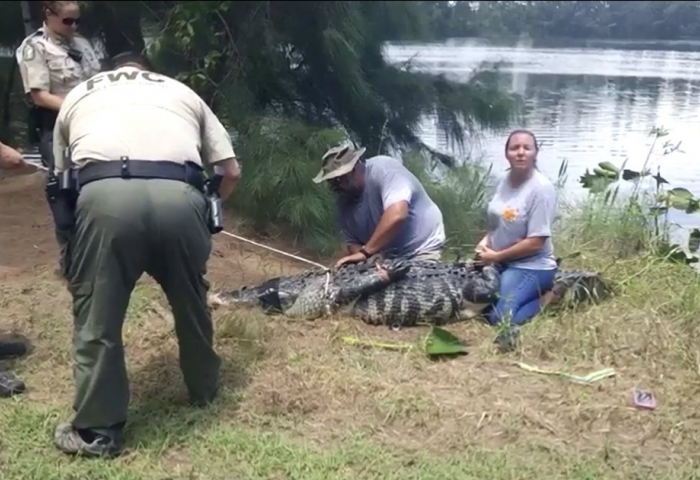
520, 217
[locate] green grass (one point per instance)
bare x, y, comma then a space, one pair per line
298, 403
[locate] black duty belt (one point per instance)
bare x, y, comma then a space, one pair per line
189, 172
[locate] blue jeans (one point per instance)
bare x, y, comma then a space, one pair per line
519, 296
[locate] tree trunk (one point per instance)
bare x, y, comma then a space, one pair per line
27, 17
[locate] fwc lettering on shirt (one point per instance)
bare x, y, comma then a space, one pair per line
119, 77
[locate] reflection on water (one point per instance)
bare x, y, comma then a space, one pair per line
586, 105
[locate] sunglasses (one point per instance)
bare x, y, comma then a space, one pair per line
70, 21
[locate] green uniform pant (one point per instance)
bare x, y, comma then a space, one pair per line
125, 228
63, 239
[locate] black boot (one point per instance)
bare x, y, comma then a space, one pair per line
13, 345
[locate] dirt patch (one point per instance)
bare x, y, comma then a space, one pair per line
26, 236
28, 245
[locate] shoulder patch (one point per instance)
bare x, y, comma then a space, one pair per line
28, 53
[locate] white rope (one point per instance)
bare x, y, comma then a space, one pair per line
237, 237
301, 259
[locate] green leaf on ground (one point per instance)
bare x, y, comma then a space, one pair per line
439, 341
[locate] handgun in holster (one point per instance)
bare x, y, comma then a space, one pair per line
41, 122
216, 215
62, 196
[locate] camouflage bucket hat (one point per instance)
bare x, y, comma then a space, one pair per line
338, 161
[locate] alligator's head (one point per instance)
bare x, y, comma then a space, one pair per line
480, 288
482, 285
370, 280
273, 296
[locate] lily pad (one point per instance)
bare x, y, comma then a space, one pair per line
609, 167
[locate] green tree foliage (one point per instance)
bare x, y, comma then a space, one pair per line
11, 26
634, 20
322, 63
292, 79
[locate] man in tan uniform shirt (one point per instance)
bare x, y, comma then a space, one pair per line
128, 226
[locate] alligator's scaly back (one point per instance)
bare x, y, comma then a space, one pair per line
327, 296
436, 294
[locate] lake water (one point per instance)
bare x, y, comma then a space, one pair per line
586, 105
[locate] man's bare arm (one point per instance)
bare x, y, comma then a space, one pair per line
231, 173
389, 225
10, 158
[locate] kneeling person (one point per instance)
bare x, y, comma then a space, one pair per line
135, 136
382, 207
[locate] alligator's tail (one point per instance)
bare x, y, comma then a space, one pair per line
582, 285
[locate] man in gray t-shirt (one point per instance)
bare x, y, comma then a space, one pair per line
381, 206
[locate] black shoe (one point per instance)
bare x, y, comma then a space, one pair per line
12, 349
204, 401
10, 385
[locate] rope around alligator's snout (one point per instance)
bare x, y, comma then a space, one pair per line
301, 259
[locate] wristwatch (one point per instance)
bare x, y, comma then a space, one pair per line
364, 252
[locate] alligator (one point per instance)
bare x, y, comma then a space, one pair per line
396, 292
377, 291
314, 293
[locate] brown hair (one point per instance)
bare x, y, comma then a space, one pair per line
526, 132
55, 6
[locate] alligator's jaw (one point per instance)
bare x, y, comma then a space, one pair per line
471, 310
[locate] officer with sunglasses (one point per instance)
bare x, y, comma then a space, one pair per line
52, 61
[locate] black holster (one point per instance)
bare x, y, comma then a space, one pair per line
41, 122
215, 206
62, 197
